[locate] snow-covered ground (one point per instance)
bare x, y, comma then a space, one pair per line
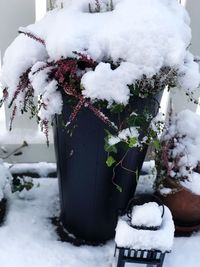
28, 238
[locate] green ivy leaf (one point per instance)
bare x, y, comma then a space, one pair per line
156, 144
116, 108
119, 188
108, 148
110, 161
132, 142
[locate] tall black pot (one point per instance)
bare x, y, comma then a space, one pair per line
89, 200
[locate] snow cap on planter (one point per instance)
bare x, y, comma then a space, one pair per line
139, 38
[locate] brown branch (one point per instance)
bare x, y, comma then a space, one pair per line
32, 36
121, 164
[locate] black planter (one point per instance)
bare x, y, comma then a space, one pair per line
90, 203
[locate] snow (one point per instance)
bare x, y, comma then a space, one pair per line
147, 180
19, 57
29, 239
192, 183
165, 191
52, 101
43, 169
147, 215
148, 166
138, 36
157, 123
50, 97
161, 239
190, 69
124, 135
39, 78
99, 84
185, 252
184, 130
5, 178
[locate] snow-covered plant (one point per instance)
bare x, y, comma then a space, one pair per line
103, 61
7, 182
22, 183
179, 157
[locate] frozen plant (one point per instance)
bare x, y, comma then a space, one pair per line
22, 183
8, 183
179, 156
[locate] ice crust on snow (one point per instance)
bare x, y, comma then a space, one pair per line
185, 129
140, 36
161, 239
147, 215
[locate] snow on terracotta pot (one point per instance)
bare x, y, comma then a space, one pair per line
178, 180
100, 65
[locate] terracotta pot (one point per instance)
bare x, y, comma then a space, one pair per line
184, 205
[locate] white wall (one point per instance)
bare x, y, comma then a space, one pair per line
193, 7
14, 13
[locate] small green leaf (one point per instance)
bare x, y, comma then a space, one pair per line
117, 108
132, 142
108, 148
110, 161
156, 144
108, 133
119, 188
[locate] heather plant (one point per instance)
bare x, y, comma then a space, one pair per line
178, 157
104, 61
